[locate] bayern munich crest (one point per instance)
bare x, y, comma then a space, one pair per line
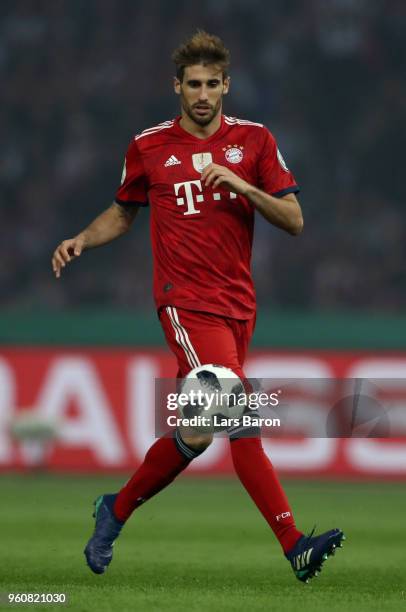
233, 153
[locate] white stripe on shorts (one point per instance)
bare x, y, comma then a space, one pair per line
182, 337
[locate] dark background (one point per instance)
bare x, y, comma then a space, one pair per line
327, 77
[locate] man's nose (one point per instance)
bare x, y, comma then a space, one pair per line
203, 94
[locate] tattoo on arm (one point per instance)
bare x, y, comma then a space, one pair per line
127, 212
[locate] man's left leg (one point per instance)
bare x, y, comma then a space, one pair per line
259, 478
306, 554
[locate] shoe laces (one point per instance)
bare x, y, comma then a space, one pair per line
309, 537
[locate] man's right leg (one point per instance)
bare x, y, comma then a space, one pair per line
166, 458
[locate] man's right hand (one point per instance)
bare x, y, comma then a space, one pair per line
66, 252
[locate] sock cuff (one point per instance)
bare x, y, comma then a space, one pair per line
251, 430
184, 449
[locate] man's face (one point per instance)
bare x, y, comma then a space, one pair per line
201, 92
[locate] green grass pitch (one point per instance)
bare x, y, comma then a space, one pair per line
202, 545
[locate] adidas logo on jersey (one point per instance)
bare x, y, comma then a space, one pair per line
172, 161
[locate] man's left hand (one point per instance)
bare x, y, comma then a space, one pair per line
216, 175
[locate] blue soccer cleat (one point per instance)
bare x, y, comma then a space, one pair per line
99, 549
309, 553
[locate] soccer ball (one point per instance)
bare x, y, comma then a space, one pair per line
211, 398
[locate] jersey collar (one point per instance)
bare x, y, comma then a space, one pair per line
179, 129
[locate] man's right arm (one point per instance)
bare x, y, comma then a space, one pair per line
111, 224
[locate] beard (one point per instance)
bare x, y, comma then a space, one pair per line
202, 120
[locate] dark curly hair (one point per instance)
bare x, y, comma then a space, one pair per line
201, 48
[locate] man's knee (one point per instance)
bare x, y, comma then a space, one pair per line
196, 441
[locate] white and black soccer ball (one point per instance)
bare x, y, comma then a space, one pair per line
215, 394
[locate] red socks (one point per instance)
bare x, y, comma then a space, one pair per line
162, 463
169, 456
258, 476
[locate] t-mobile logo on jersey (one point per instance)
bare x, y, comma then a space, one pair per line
190, 188
190, 202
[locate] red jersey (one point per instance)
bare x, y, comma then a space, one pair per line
202, 238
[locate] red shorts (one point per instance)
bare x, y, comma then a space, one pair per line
197, 338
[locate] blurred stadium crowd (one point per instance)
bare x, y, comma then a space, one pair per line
326, 76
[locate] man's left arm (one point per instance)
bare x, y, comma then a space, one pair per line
283, 212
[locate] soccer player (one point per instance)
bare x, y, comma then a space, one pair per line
204, 175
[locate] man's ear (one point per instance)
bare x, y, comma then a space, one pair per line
226, 85
176, 85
